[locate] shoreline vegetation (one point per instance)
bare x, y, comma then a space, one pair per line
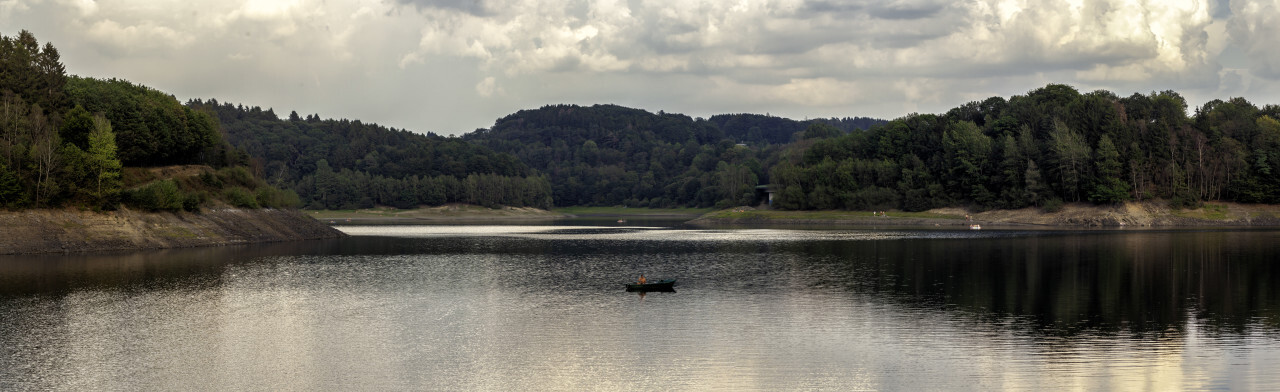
624, 212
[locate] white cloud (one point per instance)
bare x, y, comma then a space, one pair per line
410, 59
488, 87
137, 37
270, 9
85, 7
9, 7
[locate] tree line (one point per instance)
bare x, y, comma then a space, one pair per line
52, 151
67, 140
1050, 146
348, 164
605, 155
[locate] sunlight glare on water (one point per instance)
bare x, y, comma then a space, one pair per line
652, 233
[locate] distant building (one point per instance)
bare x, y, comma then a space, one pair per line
764, 195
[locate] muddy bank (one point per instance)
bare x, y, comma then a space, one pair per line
1133, 214
67, 230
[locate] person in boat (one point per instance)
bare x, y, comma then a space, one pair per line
641, 280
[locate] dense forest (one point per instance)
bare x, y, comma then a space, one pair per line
606, 155
571, 155
68, 141
757, 129
345, 164
1050, 146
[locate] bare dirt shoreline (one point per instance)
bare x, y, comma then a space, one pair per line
450, 213
70, 230
1132, 214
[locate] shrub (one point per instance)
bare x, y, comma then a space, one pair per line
872, 198
210, 179
1053, 205
1181, 201
237, 176
240, 197
365, 202
160, 195
272, 197
193, 201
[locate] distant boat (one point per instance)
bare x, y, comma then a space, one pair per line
661, 285
975, 227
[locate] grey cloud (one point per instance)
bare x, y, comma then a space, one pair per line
473, 7
886, 57
898, 11
1220, 9
1253, 27
831, 7
1232, 81
823, 23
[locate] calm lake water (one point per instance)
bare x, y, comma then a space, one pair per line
543, 308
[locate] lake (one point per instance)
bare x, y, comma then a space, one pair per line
511, 307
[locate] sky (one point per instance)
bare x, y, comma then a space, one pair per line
452, 66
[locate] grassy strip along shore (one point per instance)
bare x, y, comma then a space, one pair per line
1131, 214
762, 217
634, 212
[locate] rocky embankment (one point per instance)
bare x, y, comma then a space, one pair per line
68, 230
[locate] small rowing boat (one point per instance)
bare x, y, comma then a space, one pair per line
661, 285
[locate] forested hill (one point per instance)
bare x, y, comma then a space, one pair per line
69, 141
1050, 146
759, 128
613, 155
347, 164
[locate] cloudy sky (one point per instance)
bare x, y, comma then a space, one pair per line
451, 66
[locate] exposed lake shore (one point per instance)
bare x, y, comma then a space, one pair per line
449, 213
1152, 214
70, 230
464, 213
1133, 214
